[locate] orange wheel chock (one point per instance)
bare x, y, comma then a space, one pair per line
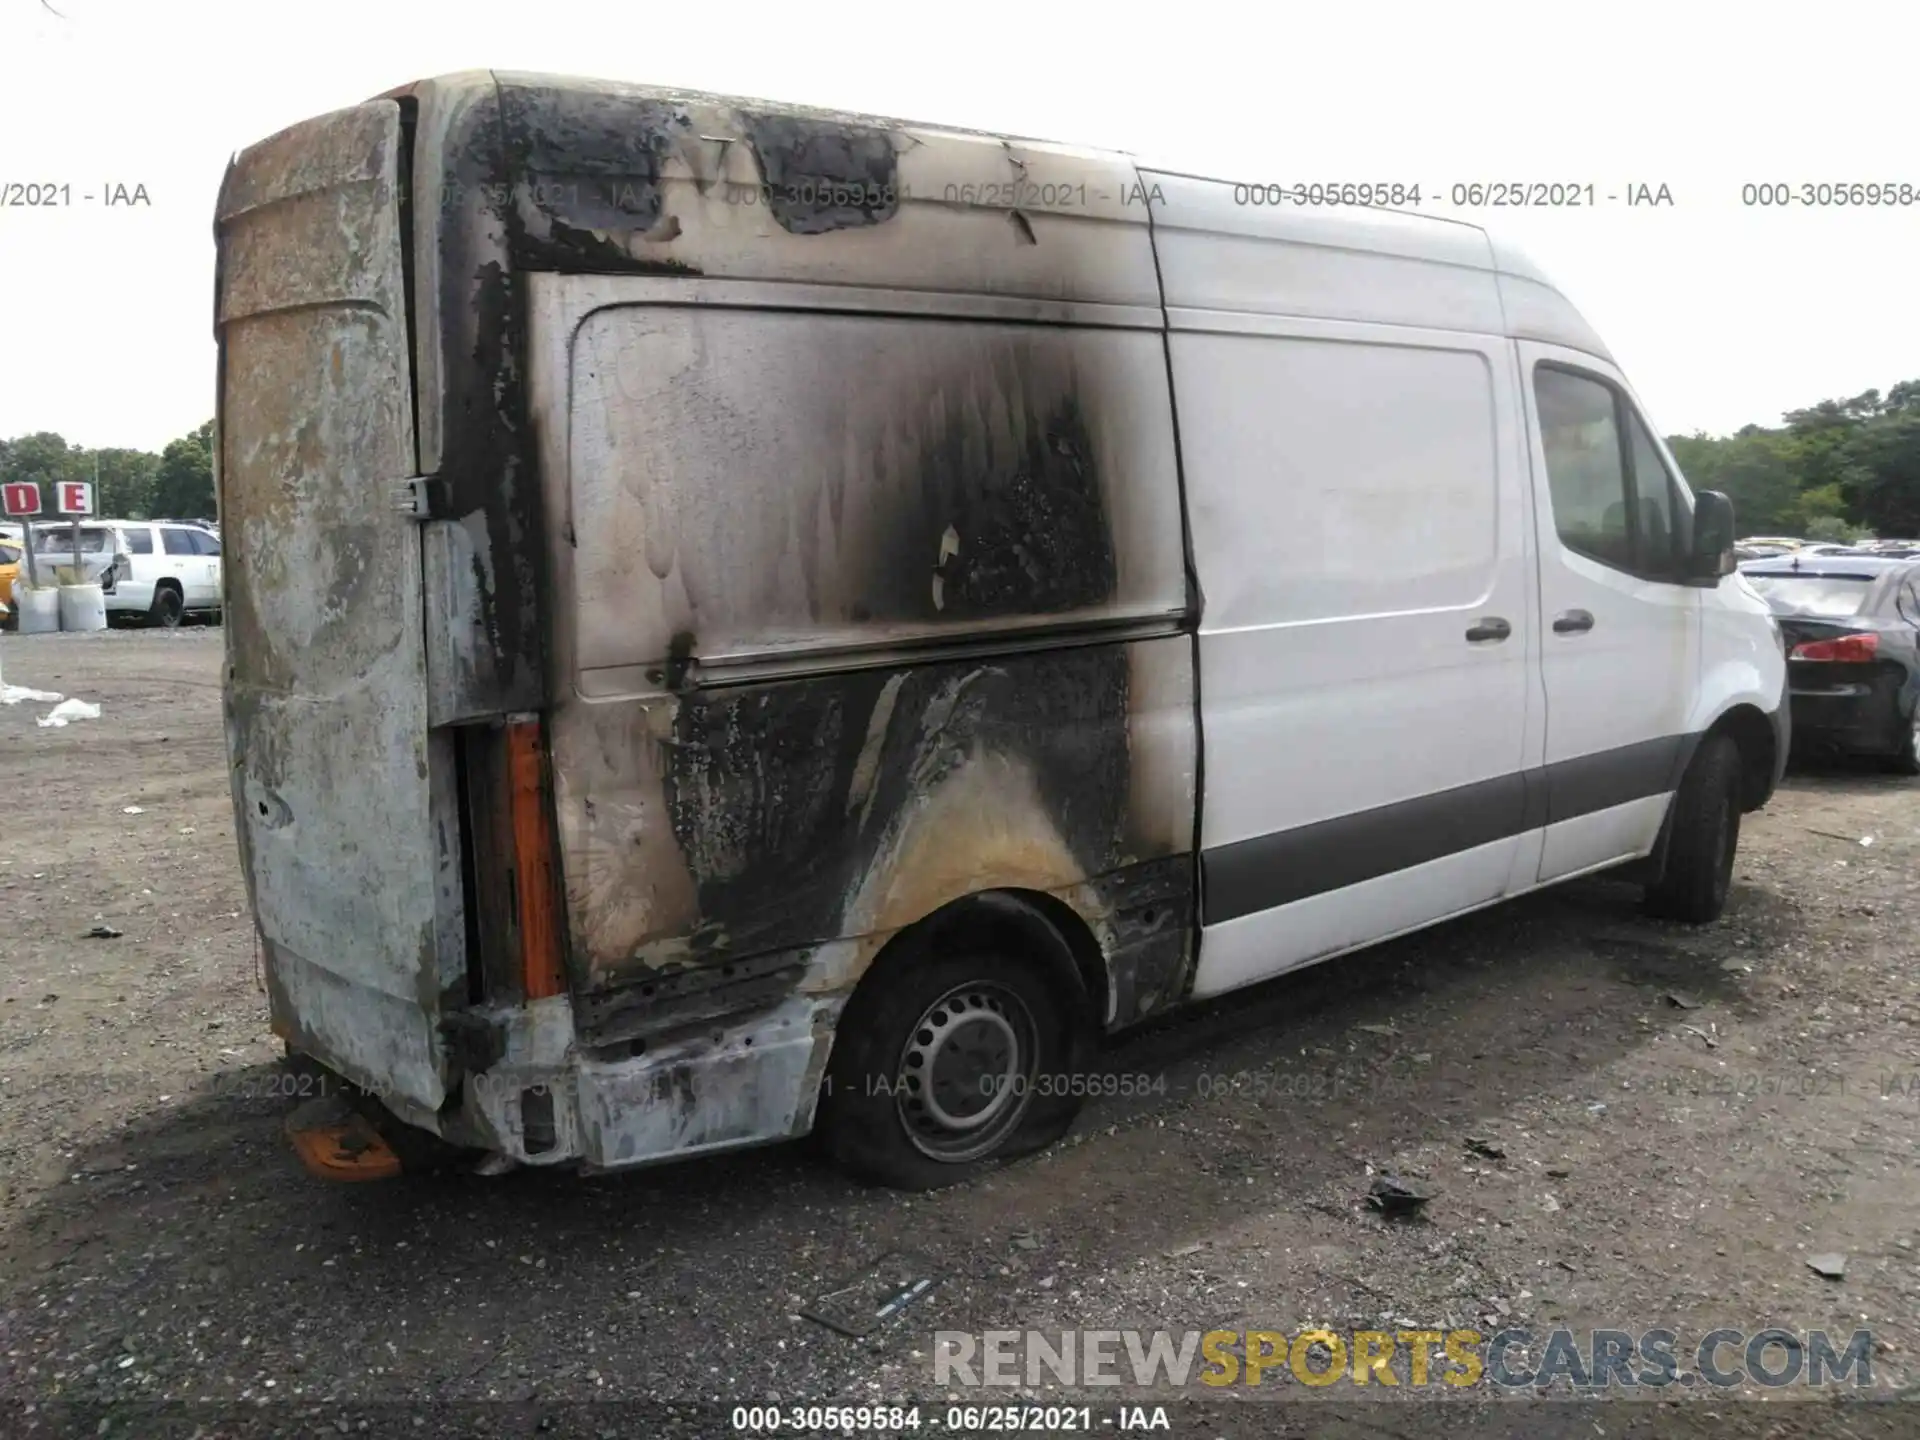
347, 1150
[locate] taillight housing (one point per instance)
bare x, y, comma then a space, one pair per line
1842, 648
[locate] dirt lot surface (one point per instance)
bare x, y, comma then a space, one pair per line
1682, 1119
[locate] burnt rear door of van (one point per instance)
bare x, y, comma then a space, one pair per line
326, 700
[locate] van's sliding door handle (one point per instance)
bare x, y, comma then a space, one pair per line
1491, 627
1574, 622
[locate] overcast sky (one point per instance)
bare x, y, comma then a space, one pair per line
1721, 314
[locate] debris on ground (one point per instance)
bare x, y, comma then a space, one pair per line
1479, 1145
134, 810
1682, 1000
875, 1296
1391, 1195
15, 694
104, 932
68, 710
1829, 1266
1383, 1029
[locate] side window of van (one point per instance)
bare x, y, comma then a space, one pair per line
1664, 522
176, 540
139, 540
1613, 502
1586, 465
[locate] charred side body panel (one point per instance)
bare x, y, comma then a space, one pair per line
818, 490
822, 176
999, 498
798, 488
586, 174
515, 175
853, 805
786, 799
508, 180
483, 553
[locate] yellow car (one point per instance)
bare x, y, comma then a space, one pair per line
10, 566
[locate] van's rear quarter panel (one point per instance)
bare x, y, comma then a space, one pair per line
743, 482
704, 830
518, 174
749, 482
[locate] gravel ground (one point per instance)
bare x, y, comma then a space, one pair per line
1683, 1117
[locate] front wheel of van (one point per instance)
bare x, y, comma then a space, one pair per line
945, 1065
1704, 833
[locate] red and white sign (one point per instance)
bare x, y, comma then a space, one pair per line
22, 498
75, 497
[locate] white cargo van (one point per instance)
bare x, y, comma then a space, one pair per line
745, 621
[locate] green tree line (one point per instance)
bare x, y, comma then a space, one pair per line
1834, 471
134, 484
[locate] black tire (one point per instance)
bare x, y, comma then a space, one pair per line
1703, 834
1906, 760
168, 607
1000, 1061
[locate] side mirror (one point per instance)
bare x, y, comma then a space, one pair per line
1713, 535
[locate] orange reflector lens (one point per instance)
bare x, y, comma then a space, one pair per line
534, 871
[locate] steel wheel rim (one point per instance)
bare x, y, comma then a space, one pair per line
965, 1075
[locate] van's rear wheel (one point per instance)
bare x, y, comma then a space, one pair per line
1703, 836
946, 1064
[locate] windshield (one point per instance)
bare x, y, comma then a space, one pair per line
1831, 597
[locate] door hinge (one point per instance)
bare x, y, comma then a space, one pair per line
423, 497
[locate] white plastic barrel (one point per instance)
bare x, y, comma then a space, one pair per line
83, 607
38, 610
